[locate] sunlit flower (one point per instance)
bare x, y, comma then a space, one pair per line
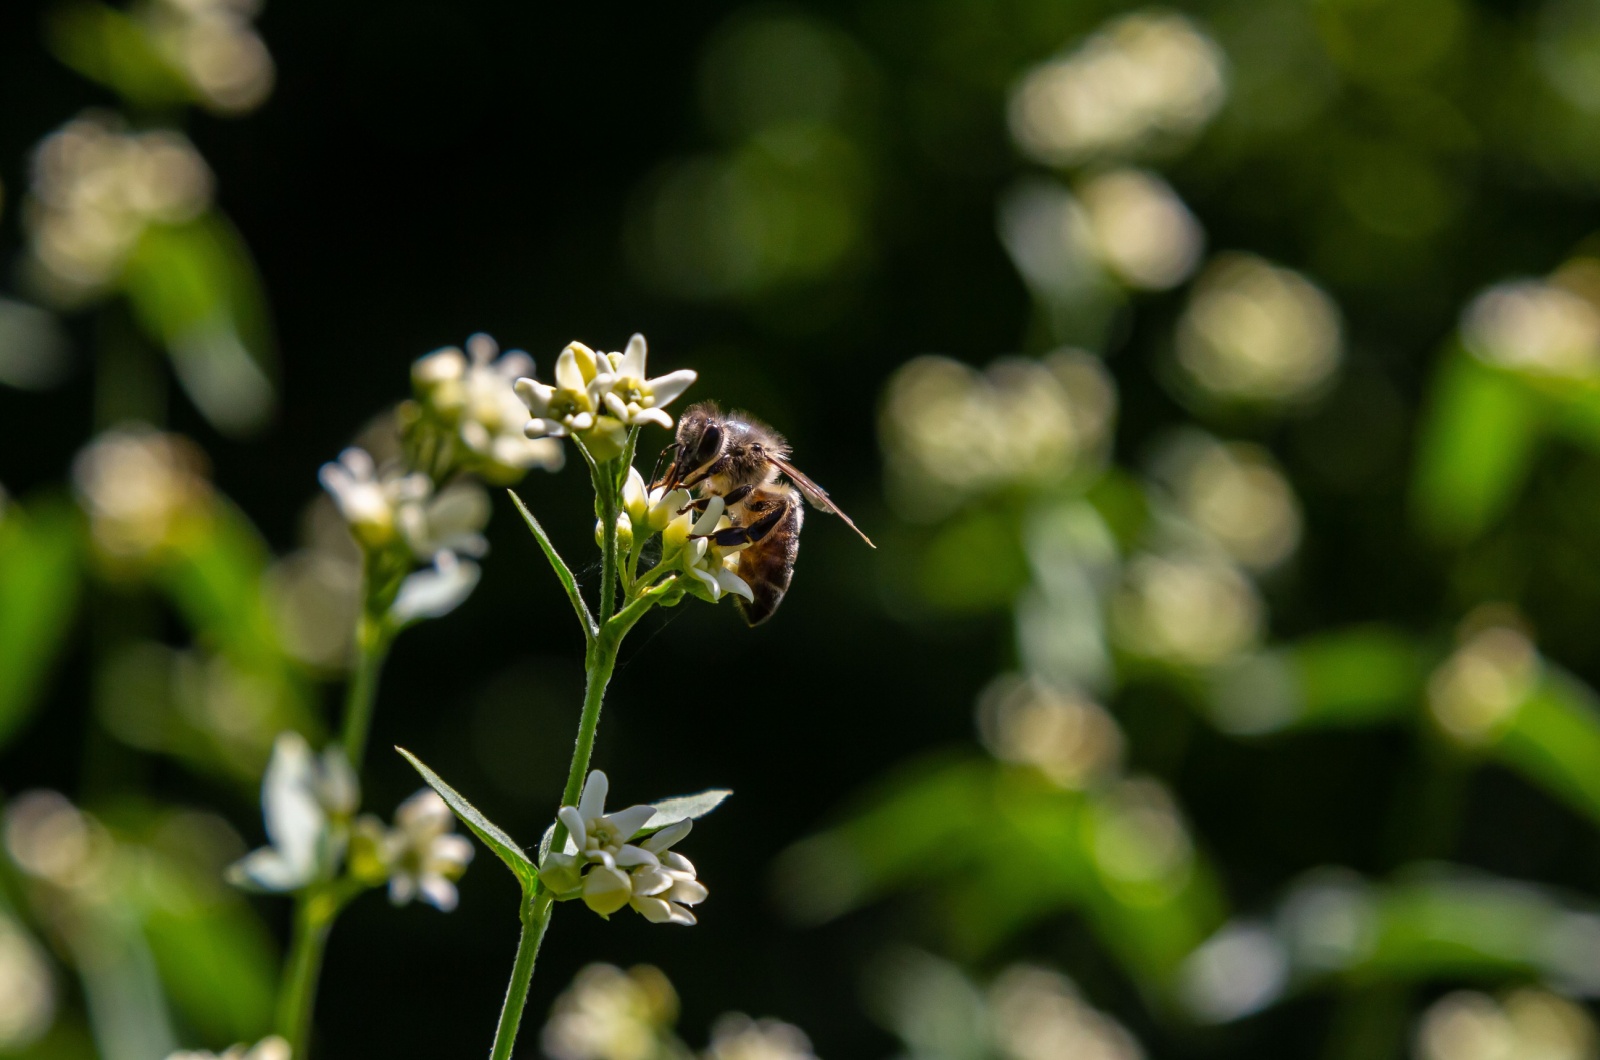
661, 891
1186, 610
651, 508
735, 1036
1257, 332
1236, 494
1139, 841
212, 44
423, 854
142, 490
1529, 1022
709, 566
1142, 232
306, 802
473, 394
52, 840
632, 397
1037, 1014
601, 837
450, 520
96, 188
570, 404
273, 1048
609, 1014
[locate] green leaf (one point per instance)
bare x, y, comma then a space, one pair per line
38, 594
563, 573
486, 830
1554, 741
685, 808
1477, 444
110, 47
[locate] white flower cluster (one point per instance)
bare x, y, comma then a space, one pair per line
308, 802
471, 394
96, 188
213, 44
144, 491
601, 864
392, 509
598, 396
686, 544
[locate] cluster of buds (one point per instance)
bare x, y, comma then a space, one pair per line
309, 802
598, 397
602, 864
688, 545
466, 412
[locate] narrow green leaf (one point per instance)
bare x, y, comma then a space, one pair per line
563, 572
490, 833
1554, 741
1478, 441
38, 595
685, 808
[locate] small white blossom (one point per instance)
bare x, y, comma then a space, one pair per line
306, 803
368, 501
609, 1014
736, 1036
451, 519
273, 1048
425, 854
569, 406
601, 837
661, 891
631, 397
709, 566
473, 393
435, 591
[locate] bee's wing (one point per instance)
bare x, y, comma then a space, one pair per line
815, 493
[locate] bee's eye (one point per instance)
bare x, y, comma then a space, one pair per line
710, 444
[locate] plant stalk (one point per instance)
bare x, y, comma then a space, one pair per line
372, 647
314, 913
535, 916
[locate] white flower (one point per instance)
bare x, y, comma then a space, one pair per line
609, 1014
631, 397
437, 590
603, 838
709, 566
141, 489
273, 1048
661, 891
306, 803
736, 1036
567, 407
451, 519
368, 501
474, 395
653, 508
425, 853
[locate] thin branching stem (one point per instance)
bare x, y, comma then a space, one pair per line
535, 915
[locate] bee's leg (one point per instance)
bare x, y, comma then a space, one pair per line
730, 499
749, 535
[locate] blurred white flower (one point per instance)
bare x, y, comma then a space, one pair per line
96, 188
52, 840
306, 802
1235, 493
632, 397
735, 1036
1145, 80
609, 1014
1256, 332
661, 891
27, 989
1475, 693
435, 591
1068, 738
1037, 1014
142, 490
273, 1048
1140, 843
1534, 326
1530, 1023
1141, 230
424, 854
1238, 971
1185, 610
367, 500
474, 394
215, 48
450, 520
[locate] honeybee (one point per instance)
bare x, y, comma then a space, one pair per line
736, 457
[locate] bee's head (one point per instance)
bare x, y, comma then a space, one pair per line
702, 437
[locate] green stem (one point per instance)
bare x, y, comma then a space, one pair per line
314, 912
606, 490
372, 646
535, 915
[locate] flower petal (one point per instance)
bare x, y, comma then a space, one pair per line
629, 857
573, 819
535, 395
655, 910
713, 515
606, 890
267, 869
435, 591
439, 892
667, 836
633, 358
689, 892
732, 583
655, 416
629, 821
592, 803
666, 388
452, 850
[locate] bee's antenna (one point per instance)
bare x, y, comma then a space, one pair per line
655, 471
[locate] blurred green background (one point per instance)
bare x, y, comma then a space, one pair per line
1221, 384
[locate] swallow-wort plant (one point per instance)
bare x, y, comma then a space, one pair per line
417, 516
